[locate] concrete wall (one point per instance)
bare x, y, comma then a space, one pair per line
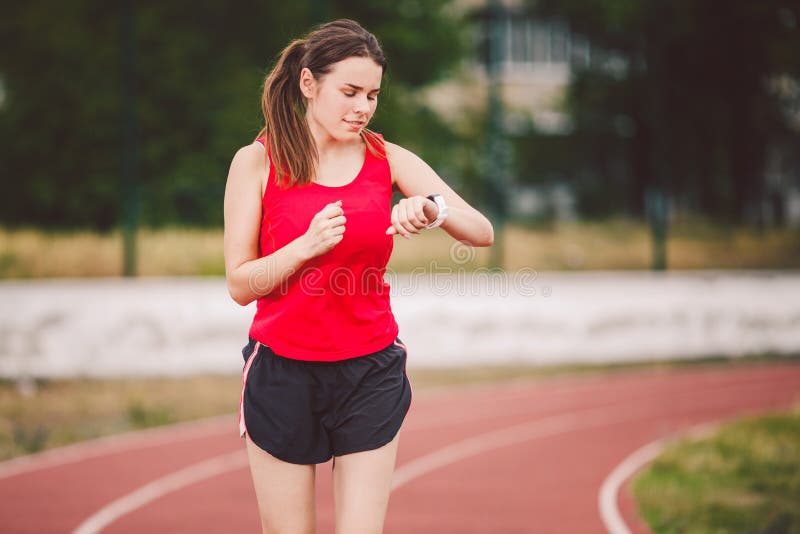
179, 326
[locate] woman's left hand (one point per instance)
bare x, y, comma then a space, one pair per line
410, 215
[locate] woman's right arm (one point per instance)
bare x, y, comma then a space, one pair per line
250, 277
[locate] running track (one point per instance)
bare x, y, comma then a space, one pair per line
528, 457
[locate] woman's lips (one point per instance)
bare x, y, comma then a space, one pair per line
355, 124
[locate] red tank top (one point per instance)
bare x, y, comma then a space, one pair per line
336, 306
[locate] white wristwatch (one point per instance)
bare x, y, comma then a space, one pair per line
442, 210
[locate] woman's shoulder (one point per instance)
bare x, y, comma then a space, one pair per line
251, 157
250, 163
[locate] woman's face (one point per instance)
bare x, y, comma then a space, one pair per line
342, 103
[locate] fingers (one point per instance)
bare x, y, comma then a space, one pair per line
397, 225
331, 217
414, 214
334, 228
326, 229
334, 209
408, 217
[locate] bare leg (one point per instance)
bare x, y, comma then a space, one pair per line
285, 493
361, 485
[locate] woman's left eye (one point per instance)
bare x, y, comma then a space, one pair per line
349, 95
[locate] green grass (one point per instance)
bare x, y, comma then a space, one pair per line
743, 479
44, 414
50, 413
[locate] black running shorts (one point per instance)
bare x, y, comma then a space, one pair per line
305, 412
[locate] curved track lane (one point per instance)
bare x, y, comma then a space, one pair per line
524, 457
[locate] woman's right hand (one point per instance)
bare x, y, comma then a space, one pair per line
326, 229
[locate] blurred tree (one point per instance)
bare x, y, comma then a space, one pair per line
683, 92
200, 68
58, 133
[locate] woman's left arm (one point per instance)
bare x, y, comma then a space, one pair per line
416, 180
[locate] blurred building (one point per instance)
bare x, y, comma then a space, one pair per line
538, 59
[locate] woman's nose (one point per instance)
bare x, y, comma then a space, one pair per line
362, 106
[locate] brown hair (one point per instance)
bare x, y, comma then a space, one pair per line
288, 136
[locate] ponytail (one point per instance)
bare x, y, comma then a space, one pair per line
288, 136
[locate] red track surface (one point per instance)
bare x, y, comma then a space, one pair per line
528, 457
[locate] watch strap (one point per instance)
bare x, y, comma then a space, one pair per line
442, 215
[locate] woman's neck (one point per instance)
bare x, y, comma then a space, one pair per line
327, 146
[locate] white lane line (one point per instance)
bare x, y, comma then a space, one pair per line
218, 465
160, 487
607, 497
118, 443
538, 428
217, 425
135, 439
544, 427
530, 430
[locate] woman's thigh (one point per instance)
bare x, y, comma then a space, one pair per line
362, 482
284, 491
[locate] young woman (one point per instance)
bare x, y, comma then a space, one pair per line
309, 229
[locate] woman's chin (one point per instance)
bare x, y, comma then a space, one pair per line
348, 135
